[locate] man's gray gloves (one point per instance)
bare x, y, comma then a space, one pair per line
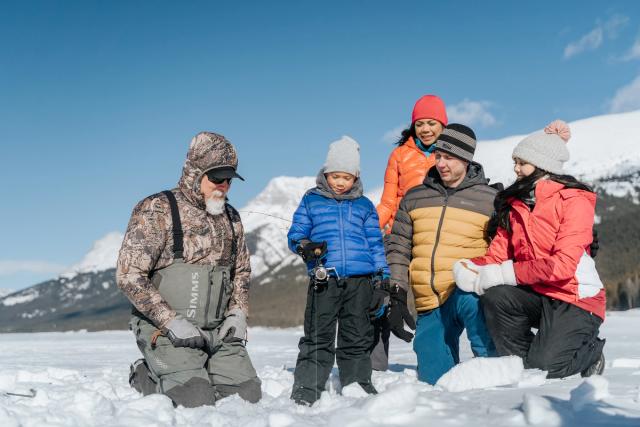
182, 333
234, 327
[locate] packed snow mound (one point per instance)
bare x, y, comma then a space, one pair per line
592, 390
626, 363
483, 372
102, 256
539, 410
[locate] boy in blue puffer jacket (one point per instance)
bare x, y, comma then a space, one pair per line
337, 226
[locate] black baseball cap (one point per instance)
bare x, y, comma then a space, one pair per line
223, 172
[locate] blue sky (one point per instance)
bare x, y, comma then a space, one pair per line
98, 100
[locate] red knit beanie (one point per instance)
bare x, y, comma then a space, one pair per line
430, 107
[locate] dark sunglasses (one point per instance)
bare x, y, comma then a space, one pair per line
215, 180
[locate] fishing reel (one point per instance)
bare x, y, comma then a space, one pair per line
320, 274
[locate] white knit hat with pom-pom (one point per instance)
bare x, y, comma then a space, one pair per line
547, 150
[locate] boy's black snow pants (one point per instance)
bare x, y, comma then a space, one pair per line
567, 339
345, 302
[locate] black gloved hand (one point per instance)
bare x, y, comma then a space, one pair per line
311, 251
380, 299
593, 248
399, 314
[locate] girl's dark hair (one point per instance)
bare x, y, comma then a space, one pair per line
521, 189
409, 132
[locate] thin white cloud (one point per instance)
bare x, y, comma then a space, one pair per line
470, 113
8, 267
614, 25
627, 98
393, 135
595, 38
634, 51
590, 41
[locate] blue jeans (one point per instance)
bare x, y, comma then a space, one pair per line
437, 340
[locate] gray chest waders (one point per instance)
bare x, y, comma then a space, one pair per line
200, 293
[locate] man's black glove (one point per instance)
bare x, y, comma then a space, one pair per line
593, 248
399, 314
311, 251
380, 299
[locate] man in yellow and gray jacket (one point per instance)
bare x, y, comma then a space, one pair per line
438, 223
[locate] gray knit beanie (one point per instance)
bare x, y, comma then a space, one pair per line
547, 150
343, 156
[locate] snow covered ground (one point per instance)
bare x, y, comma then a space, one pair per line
81, 380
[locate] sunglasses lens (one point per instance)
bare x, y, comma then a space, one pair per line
217, 180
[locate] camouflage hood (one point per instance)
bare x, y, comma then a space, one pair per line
207, 151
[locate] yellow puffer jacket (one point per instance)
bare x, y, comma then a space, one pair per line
434, 228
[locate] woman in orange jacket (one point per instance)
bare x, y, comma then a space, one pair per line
538, 272
407, 167
411, 160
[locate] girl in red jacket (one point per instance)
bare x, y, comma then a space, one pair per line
537, 272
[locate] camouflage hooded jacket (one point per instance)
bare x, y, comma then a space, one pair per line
148, 242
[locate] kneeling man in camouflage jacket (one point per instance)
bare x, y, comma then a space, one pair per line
184, 266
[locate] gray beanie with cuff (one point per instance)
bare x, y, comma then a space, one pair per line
343, 156
546, 150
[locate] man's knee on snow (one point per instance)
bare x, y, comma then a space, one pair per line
140, 378
248, 390
195, 392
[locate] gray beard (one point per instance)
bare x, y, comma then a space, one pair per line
215, 203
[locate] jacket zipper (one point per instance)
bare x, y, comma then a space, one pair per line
344, 261
224, 280
206, 307
435, 246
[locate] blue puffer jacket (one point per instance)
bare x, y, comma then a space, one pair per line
349, 226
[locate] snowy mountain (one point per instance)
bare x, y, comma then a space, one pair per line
604, 151
102, 256
5, 292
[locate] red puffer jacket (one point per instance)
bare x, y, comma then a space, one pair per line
547, 244
407, 168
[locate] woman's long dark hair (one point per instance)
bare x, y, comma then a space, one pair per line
521, 189
409, 132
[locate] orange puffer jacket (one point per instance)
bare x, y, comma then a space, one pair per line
407, 168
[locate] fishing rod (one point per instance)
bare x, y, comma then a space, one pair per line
266, 214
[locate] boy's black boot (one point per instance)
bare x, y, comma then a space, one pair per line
369, 388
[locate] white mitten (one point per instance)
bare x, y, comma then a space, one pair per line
496, 274
465, 274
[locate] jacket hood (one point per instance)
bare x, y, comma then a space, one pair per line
475, 176
322, 188
207, 151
